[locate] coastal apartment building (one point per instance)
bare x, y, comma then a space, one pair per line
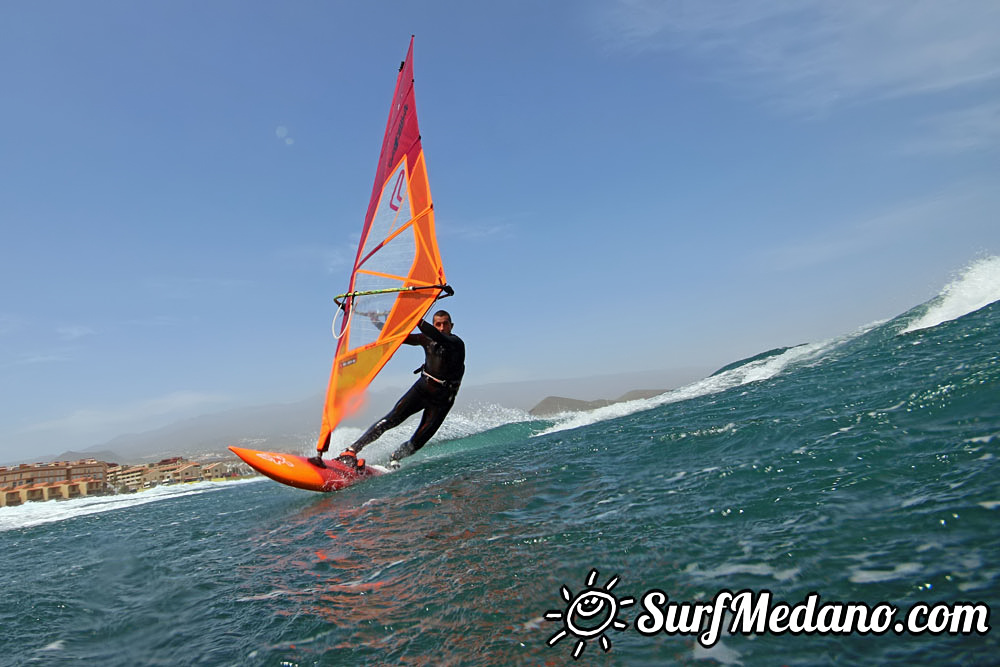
64, 479
167, 471
47, 481
171, 471
129, 478
182, 471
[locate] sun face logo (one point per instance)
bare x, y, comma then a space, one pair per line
589, 614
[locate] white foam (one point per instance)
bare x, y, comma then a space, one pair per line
754, 371
470, 420
860, 576
478, 418
720, 653
976, 287
756, 569
57, 645
41, 512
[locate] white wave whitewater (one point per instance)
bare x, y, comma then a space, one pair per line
977, 286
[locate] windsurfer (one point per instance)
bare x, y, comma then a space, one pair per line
434, 392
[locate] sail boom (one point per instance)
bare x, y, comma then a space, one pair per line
389, 290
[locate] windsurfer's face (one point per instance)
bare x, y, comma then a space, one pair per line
443, 324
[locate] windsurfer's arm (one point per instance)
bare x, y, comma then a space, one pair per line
415, 339
427, 329
447, 340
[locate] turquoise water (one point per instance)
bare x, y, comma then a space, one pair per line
862, 468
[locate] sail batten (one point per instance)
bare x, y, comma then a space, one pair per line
397, 273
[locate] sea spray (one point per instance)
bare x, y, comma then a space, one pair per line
978, 285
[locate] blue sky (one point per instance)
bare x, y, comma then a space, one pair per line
619, 186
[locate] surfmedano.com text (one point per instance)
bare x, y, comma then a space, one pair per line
754, 613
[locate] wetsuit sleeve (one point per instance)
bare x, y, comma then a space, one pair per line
415, 339
428, 330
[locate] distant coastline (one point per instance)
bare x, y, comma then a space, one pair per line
554, 405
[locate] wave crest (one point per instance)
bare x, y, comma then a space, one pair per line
976, 287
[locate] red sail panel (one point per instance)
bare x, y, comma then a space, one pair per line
398, 250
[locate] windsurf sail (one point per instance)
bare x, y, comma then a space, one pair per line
397, 272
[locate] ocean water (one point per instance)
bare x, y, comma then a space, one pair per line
863, 469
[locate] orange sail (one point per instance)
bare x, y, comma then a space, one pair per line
397, 272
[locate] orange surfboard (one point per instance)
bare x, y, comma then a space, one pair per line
297, 471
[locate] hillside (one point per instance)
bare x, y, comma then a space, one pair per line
553, 405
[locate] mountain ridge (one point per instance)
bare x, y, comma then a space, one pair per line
289, 425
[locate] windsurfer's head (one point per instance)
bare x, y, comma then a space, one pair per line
442, 321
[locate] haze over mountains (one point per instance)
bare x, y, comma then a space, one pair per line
292, 426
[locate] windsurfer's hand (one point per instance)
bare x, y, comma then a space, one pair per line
447, 289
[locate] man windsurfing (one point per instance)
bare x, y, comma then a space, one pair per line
434, 392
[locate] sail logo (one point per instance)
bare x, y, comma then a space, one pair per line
589, 614
399, 132
398, 190
276, 459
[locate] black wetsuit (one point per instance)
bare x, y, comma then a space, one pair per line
434, 391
